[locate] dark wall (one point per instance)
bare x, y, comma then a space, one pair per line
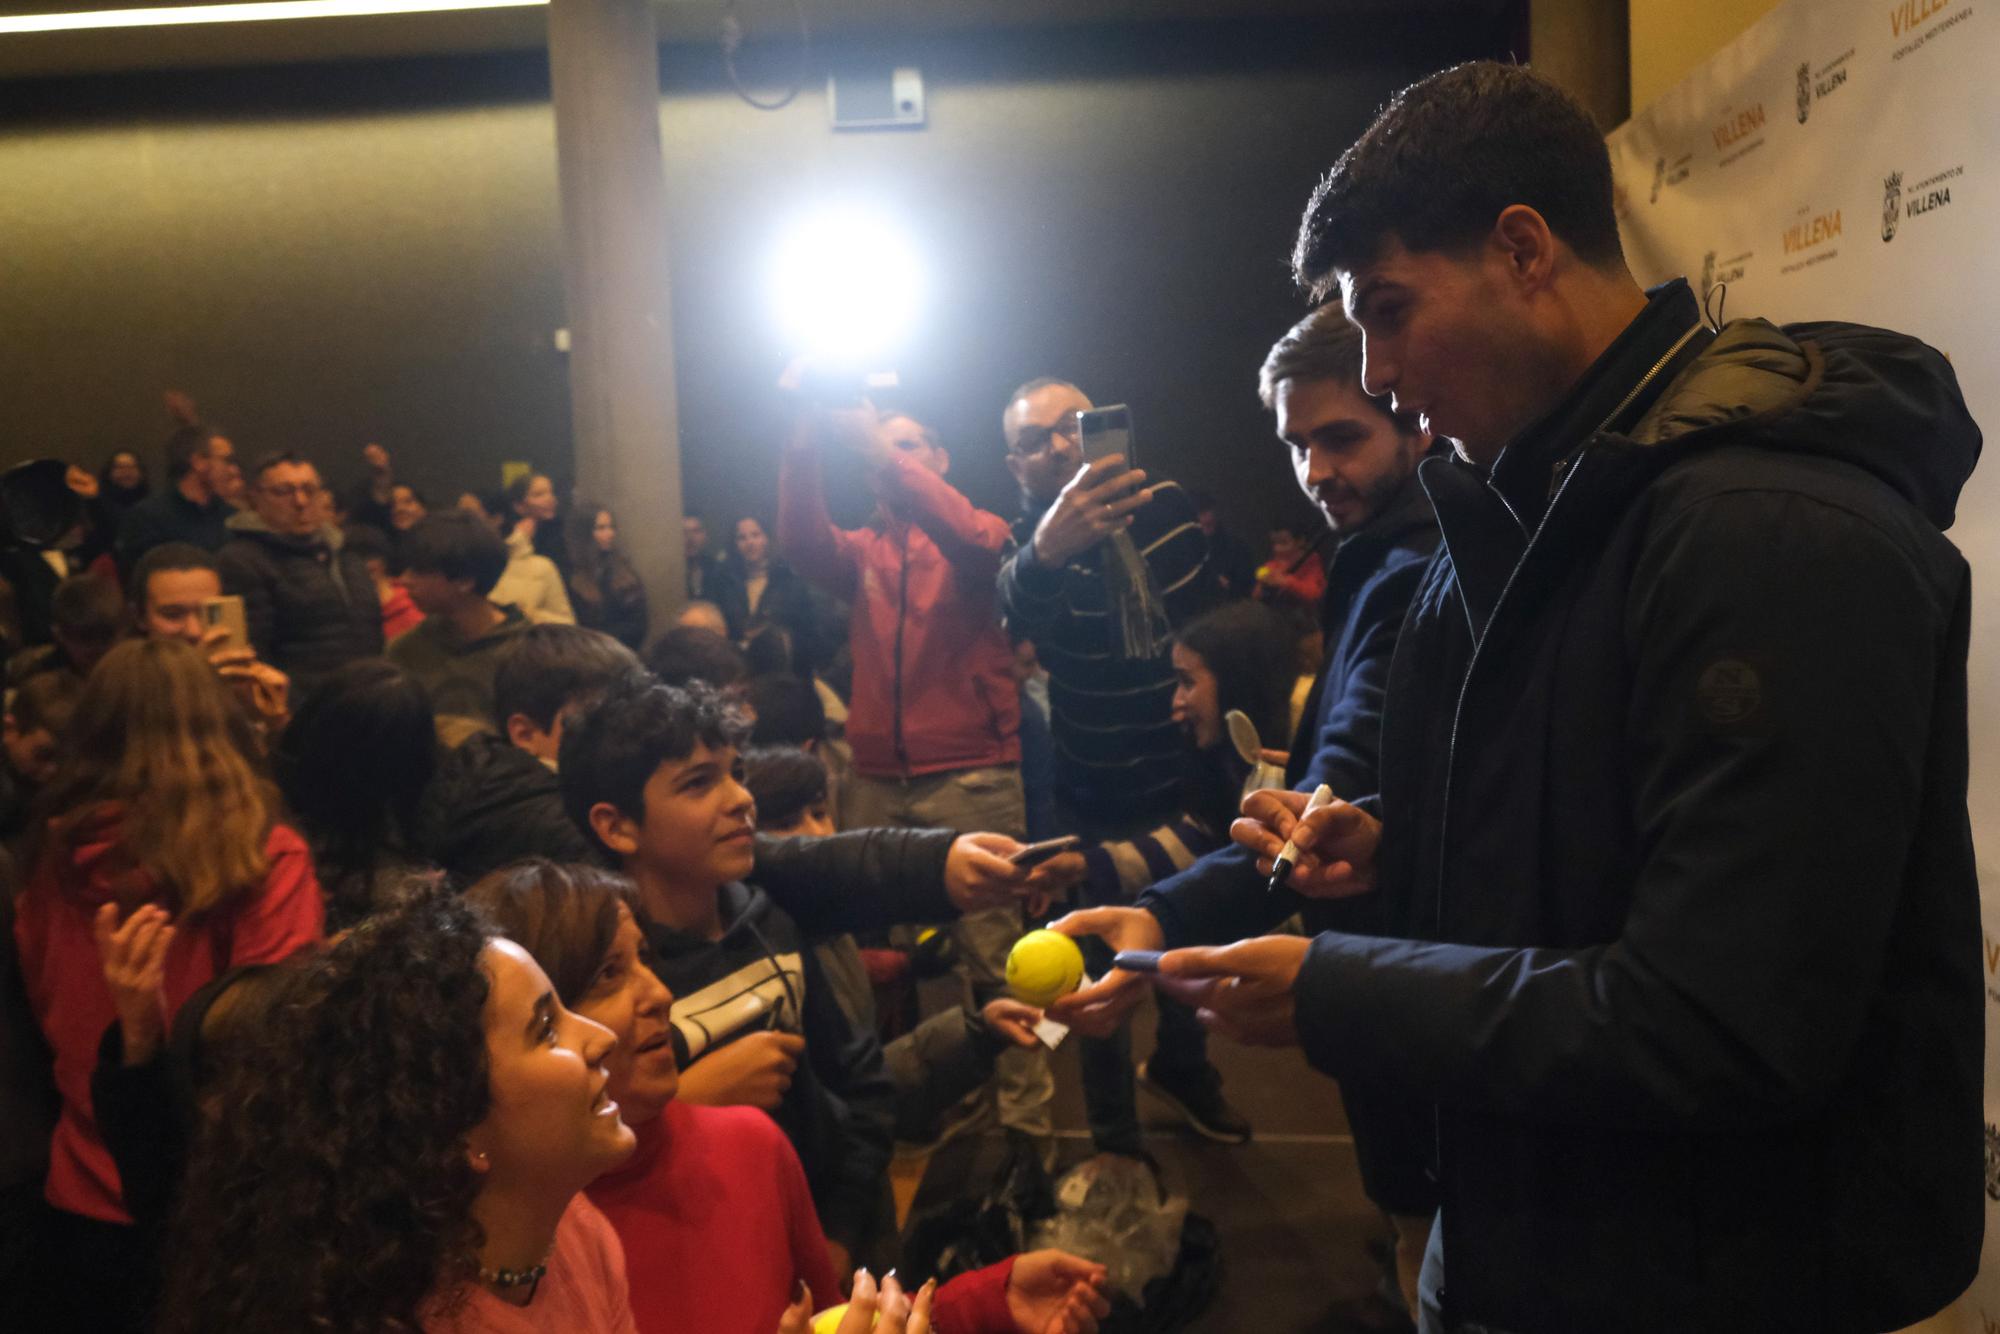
331, 254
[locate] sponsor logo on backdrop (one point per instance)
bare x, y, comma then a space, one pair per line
1717, 270
1740, 131
1667, 174
1925, 196
1906, 16
1816, 85
1811, 237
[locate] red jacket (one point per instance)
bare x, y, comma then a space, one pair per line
933, 676
64, 978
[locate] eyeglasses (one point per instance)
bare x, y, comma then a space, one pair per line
290, 491
1040, 439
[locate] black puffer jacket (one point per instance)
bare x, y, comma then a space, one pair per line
311, 606
1676, 853
492, 803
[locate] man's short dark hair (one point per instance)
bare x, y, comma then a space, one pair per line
369, 543
1322, 346
46, 700
184, 446
168, 556
279, 458
690, 653
456, 545
88, 607
784, 780
548, 669
613, 748
788, 711
1040, 382
1445, 157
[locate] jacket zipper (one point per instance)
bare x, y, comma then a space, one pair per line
1560, 476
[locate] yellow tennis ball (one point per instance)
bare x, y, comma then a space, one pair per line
828, 1321
1043, 967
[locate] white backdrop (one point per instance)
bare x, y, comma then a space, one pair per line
1838, 161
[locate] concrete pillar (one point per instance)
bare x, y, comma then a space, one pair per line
604, 65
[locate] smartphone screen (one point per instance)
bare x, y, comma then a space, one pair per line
1102, 431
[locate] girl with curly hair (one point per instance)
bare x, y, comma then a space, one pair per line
408, 1149
158, 823
714, 1204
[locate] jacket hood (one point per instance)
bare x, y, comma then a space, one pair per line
485, 774
1878, 400
95, 865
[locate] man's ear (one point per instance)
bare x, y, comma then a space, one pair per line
944, 460
1523, 238
614, 829
521, 730
1014, 466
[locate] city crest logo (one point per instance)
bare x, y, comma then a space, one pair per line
1805, 90
1892, 204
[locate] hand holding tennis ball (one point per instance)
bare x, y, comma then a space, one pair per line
1043, 967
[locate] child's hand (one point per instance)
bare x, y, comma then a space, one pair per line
753, 1071
135, 969
1012, 1020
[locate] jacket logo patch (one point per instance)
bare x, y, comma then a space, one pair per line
1729, 692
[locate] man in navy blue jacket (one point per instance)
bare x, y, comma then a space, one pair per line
1682, 939
1356, 460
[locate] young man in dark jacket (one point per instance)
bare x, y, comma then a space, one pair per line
1671, 840
495, 797
311, 606
1357, 462
652, 773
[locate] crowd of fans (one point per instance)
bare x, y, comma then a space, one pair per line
406, 932
289, 767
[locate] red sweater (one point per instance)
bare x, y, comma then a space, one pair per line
933, 676
64, 979
583, 1292
719, 1229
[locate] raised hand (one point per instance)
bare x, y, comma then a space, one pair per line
1098, 501
134, 957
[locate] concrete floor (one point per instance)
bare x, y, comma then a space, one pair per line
1296, 1230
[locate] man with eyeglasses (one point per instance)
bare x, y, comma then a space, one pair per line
1117, 748
310, 606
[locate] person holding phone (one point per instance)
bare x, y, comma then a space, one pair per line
176, 593
1117, 746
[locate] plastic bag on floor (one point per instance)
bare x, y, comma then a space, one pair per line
1109, 1209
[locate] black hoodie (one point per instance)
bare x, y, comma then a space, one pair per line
839, 1112
1684, 989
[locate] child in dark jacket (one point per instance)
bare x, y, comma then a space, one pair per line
652, 774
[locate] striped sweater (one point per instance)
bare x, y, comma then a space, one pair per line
1116, 746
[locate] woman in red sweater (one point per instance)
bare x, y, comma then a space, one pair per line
713, 1207
158, 808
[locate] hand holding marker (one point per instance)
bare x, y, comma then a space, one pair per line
1289, 854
